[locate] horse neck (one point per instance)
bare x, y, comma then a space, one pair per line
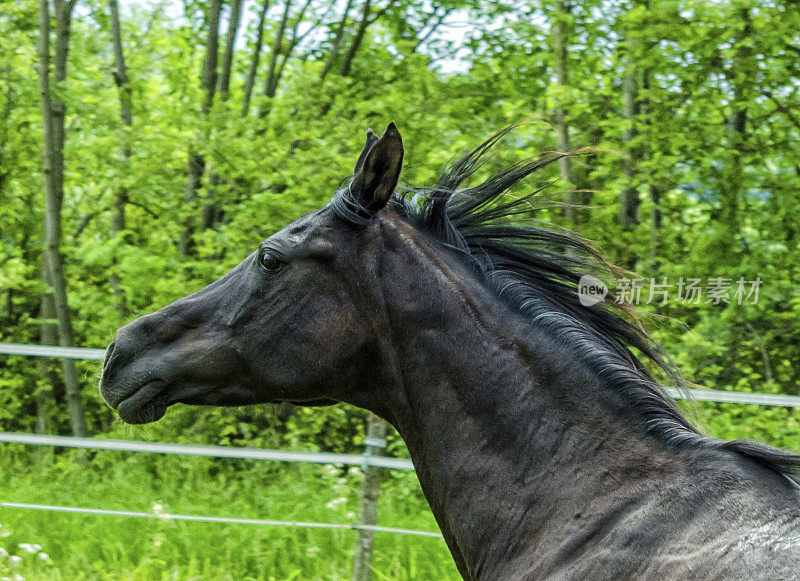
501, 422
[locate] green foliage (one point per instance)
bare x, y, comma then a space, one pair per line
727, 199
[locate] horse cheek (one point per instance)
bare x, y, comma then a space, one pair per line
304, 352
332, 334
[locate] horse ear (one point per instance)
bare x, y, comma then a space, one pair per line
372, 139
377, 174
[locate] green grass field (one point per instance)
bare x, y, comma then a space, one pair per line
109, 547
84, 547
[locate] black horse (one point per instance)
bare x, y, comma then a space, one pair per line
544, 446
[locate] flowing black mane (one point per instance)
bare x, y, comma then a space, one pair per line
536, 268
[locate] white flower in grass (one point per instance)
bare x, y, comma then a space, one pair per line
158, 510
14, 560
350, 515
3, 552
18, 577
334, 504
37, 547
44, 556
28, 548
312, 551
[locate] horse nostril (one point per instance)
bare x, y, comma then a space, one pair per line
109, 351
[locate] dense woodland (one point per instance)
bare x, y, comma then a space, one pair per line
145, 148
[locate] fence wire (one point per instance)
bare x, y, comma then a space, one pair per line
210, 451
219, 519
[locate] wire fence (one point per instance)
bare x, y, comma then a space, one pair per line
219, 519
365, 460
52, 351
212, 451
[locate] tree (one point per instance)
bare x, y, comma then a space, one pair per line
54, 299
230, 42
629, 198
197, 160
561, 22
126, 116
282, 49
252, 72
358, 37
211, 208
338, 42
271, 80
741, 75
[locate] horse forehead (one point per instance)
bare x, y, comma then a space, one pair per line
305, 227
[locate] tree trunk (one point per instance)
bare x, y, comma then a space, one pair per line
53, 135
629, 198
211, 210
347, 63
362, 563
736, 124
271, 81
740, 75
230, 42
48, 336
197, 162
197, 166
559, 44
293, 41
655, 226
209, 79
121, 195
653, 176
338, 43
253, 72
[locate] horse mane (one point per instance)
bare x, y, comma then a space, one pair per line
535, 268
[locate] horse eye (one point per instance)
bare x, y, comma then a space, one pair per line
270, 261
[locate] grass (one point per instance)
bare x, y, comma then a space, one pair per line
47, 545
81, 547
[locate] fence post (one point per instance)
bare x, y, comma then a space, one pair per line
373, 444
